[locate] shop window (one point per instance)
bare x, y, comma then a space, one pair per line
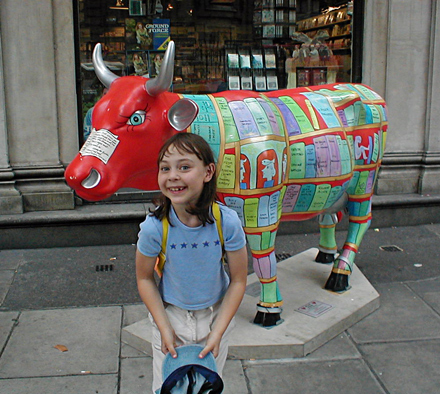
322, 51
220, 44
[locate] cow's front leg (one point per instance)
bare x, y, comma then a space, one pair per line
359, 222
327, 242
269, 307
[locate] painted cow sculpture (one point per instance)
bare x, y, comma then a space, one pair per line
282, 155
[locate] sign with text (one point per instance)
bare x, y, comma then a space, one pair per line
160, 29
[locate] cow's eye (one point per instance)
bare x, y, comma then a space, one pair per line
137, 118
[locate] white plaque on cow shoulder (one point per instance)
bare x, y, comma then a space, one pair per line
100, 144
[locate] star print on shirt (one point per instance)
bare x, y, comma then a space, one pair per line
173, 246
183, 245
194, 245
205, 244
217, 242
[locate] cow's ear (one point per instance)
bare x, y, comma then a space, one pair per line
182, 114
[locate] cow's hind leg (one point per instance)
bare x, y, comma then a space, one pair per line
327, 242
359, 221
265, 267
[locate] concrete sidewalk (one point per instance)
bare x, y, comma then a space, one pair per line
394, 350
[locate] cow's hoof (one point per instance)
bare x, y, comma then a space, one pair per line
267, 319
325, 258
337, 283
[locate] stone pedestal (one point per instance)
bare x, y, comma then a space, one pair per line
301, 283
10, 199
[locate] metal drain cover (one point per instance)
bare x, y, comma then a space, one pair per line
282, 256
104, 268
390, 248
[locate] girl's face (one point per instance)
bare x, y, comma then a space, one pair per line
182, 176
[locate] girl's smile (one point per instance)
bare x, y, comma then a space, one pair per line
176, 189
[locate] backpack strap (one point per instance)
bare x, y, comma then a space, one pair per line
218, 219
160, 262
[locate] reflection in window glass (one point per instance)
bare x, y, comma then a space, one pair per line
220, 44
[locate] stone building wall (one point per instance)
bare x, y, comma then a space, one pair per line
401, 61
38, 104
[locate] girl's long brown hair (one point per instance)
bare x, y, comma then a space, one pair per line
190, 143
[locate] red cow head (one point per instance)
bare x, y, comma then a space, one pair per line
129, 125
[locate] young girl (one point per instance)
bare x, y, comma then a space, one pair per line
195, 300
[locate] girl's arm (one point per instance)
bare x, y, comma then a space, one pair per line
237, 262
153, 301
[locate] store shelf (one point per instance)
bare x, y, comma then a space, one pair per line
342, 22
274, 19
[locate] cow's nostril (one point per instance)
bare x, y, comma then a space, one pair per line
92, 180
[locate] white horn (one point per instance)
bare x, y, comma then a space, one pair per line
101, 70
163, 81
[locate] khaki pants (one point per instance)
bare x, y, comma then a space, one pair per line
191, 327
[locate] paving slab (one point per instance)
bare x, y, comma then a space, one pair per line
128, 351
90, 384
422, 287
342, 377
6, 279
339, 348
132, 314
418, 258
11, 259
234, 378
378, 265
429, 291
301, 282
73, 277
7, 322
434, 227
403, 316
91, 335
433, 300
406, 367
136, 375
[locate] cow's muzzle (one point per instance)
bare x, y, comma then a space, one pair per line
92, 180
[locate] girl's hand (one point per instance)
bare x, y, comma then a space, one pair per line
237, 261
169, 342
212, 345
150, 295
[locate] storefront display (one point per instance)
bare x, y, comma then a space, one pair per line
322, 53
260, 45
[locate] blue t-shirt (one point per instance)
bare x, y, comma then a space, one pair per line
193, 276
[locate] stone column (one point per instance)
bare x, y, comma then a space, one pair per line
396, 54
35, 75
10, 198
430, 182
